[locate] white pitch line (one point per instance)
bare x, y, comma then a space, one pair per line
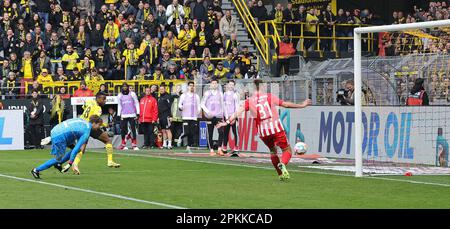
94, 192
267, 168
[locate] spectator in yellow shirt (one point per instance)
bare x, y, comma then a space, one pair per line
311, 28
44, 77
27, 66
111, 30
69, 59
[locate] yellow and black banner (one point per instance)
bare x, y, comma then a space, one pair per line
318, 4
112, 86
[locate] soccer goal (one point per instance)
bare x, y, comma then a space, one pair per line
390, 137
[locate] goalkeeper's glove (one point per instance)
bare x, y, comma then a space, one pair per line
67, 167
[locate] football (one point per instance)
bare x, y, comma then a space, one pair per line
300, 148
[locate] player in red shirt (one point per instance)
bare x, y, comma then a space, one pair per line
263, 108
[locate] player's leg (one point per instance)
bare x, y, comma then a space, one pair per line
133, 134
220, 139
236, 137
164, 135
226, 134
169, 138
183, 133
190, 134
104, 137
281, 141
58, 150
270, 143
151, 136
145, 130
123, 132
210, 126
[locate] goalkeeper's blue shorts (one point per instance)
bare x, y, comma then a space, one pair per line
59, 150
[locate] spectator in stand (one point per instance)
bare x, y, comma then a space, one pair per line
327, 30
228, 25
174, 11
83, 91
199, 11
11, 86
259, 12
252, 73
285, 50
311, 29
148, 118
63, 93
44, 77
289, 17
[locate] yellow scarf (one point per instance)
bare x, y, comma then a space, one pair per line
278, 16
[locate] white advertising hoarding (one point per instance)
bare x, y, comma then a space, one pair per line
399, 134
11, 130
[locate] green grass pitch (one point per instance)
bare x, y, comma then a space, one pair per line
148, 179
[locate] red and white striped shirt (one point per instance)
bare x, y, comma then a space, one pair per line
263, 109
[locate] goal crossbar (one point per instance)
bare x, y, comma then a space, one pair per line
358, 80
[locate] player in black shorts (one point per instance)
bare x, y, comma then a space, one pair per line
165, 116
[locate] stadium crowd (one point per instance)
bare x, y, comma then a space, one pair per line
436, 41
65, 40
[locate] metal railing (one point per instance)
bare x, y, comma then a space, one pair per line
272, 30
259, 39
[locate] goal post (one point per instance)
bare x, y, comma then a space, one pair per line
358, 83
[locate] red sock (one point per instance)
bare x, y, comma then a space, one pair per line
286, 156
133, 141
123, 141
275, 160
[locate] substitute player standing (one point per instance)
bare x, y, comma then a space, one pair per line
262, 106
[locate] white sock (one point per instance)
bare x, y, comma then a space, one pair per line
169, 143
165, 143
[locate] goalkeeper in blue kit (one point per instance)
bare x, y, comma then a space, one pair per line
73, 131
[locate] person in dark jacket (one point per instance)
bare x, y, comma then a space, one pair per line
165, 115
418, 96
199, 11
96, 37
36, 113
43, 8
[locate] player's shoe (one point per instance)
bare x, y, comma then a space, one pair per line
234, 154
35, 174
113, 164
75, 169
220, 153
58, 167
212, 153
188, 149
135, 148
46, 141
122, 147
284, 172
169, 147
